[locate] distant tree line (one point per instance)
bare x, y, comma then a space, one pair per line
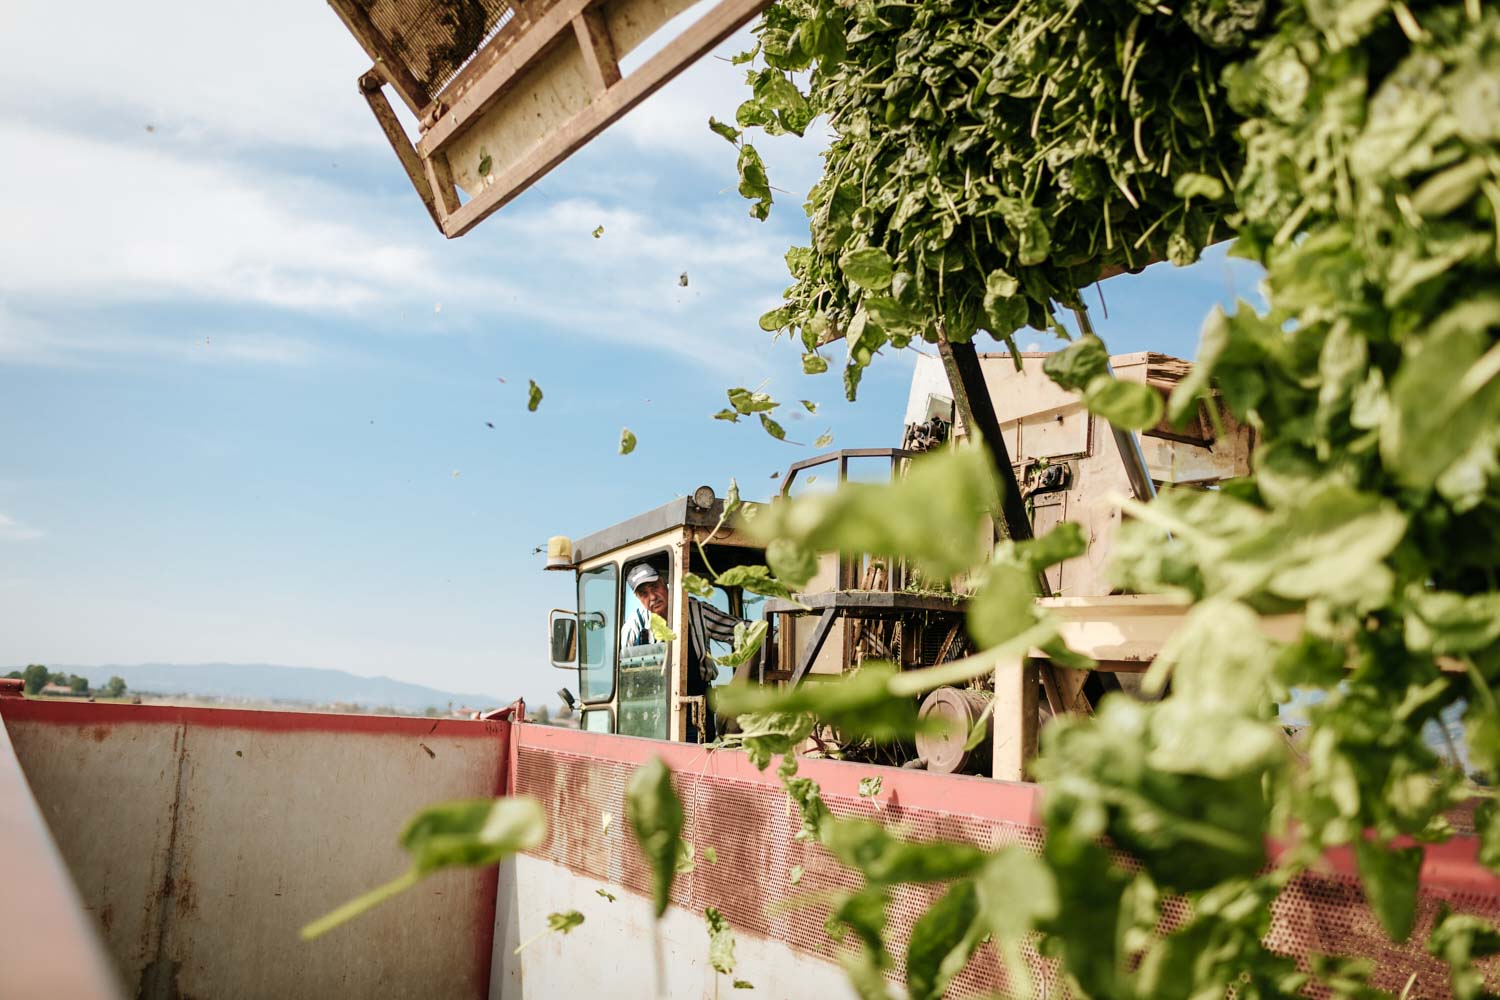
36, 676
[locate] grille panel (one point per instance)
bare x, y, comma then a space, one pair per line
751, 823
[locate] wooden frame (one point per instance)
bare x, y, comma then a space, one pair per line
539, 90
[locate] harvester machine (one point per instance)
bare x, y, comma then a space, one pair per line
1067, 464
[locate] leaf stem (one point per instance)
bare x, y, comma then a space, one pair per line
360, 904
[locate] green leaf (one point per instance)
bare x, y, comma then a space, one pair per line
1131, 406
814, 364
869, 787
470, 833
1445, 623
1198, 186
1460, 940
710, 855
727, 131
697, 586
729, 415
1078, 364
660, 631
870, 268
859, 705
775, 319
533, 397
754, 184
756, 579
809, 406
941, 942
747, 402
795, 875
484, 162
885, 859
720, 941
748, 638
932, 516
560, 923
768, 735
772, 427
627, 441
598, 232
655, 815
606, 895
743, 984
1390, 877
793, 563
823, 440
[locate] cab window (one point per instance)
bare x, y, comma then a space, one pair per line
598, 592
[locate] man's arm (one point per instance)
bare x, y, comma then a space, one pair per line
708, 622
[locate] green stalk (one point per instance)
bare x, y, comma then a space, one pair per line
360, 904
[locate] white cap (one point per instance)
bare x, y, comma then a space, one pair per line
640, 576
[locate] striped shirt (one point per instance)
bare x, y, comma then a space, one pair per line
705, 623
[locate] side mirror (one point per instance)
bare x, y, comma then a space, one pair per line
564, 628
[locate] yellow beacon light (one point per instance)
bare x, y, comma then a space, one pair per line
559, 552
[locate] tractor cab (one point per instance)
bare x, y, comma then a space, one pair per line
651, 689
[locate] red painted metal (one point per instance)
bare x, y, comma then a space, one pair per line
12, 687
82, 713
1001, 801
744, 814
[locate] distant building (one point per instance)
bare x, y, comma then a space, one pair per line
57, 689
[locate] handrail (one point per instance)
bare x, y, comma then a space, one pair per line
52, 949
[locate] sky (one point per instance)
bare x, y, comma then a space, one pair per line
246, 386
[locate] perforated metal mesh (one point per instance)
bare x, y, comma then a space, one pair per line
750, 825
435, 38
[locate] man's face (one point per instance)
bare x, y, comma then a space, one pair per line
653, 596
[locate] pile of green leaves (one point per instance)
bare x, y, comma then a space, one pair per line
989, 160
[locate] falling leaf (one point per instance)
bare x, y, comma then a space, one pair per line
824, 440
598, 232
775, 475
797, 873
810, 406
729, 415
743, 984
627, 441
489, 425
455, 473
499, 379
682, 279
772, 427
710, 855
561, 922
811, 480
484, 162
869, 787
533, 397
471, 833
604, 822
151, 128
607, 895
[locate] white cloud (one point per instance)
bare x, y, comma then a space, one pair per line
271, 72
132, 223
12, 530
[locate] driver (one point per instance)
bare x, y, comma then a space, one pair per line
705, 622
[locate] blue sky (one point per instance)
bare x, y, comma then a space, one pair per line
244, 383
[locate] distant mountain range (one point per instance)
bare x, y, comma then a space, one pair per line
267, 682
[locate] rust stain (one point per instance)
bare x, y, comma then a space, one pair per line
107, 917
428, 749
100, 734
187, 897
